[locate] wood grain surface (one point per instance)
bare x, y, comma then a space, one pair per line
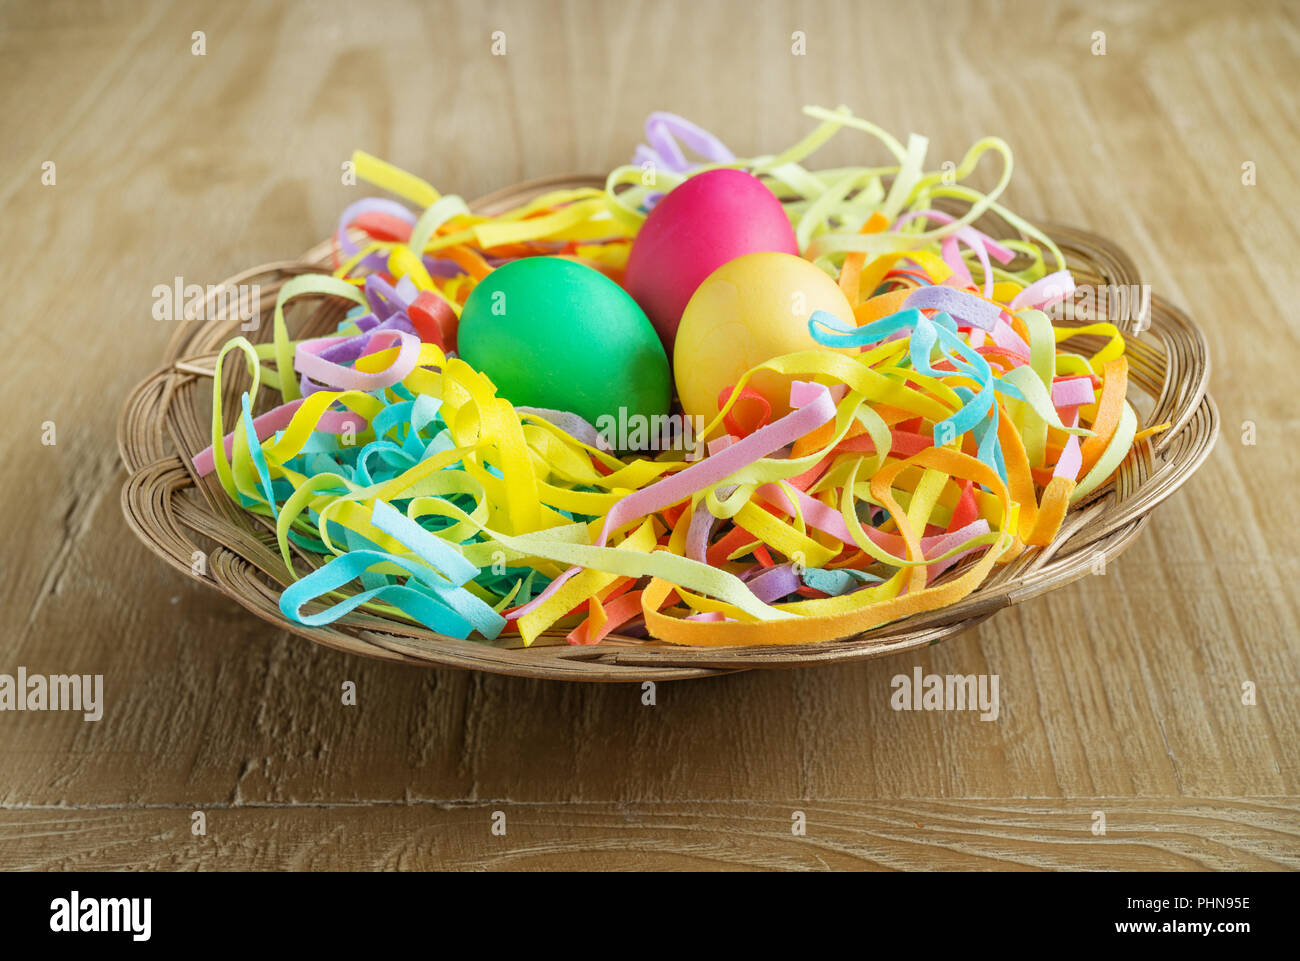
1121, 694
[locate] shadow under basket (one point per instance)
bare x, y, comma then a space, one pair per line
167, 418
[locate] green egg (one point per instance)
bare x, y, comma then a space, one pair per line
552, 333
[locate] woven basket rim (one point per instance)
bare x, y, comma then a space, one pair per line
176, 514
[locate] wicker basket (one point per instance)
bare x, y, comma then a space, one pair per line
167, 419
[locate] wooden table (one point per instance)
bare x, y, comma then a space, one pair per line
1121, 694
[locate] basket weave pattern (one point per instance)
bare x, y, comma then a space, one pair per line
167, 418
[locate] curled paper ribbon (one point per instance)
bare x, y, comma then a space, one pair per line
951, 427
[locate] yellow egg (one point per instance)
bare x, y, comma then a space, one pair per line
748, 311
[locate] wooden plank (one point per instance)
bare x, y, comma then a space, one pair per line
1001, 834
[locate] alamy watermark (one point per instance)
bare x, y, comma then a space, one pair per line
76, 914
181, 301
655, 432
946, 692
1125, 303
53, 692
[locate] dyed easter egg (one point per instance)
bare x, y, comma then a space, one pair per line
746, 312
553, 333
697, 227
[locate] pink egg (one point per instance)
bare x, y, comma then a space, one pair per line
712, 218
